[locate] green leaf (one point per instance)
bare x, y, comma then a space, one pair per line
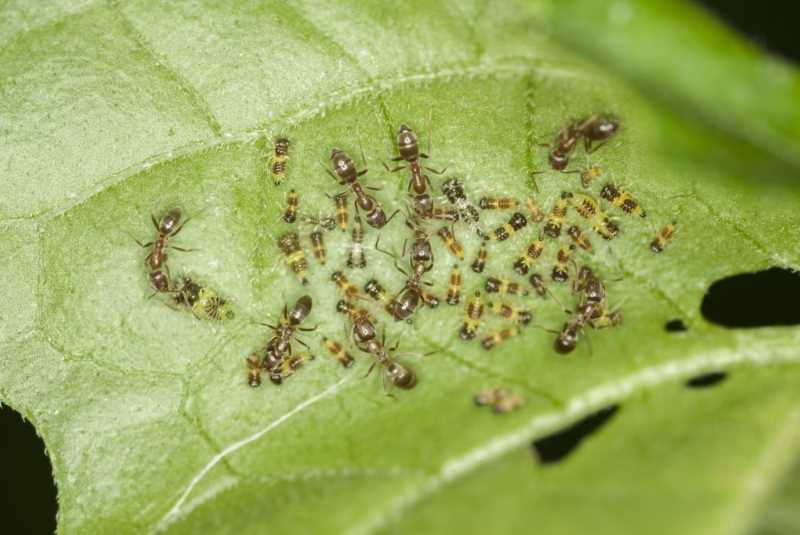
113, 111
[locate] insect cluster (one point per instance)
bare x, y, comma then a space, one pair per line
545, 244
203, 301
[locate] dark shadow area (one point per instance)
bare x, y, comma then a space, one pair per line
553, 448
675, 326
706, 380
772, 26
27, 491
759, 299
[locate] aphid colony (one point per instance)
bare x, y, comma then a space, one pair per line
548, 231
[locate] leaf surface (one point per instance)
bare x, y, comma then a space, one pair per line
111, 112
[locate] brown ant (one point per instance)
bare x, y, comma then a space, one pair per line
394, 373
408, 147
363, 328
407, 300
347, 174
596, 127
280, 344
169, 227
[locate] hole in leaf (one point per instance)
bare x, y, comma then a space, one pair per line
555, 447
675, 326
27, 490
759, 299
706, 380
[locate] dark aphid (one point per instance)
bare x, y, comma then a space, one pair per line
289, 243
580, 238
622, 199
454, 288
516, 223
204, 302
342, 214
356, 257
279, 160
499, 336
449, 239
480, 261
557, 216
537, 281
502, 203
504, 287
349, 289
292, 204
253, 370
455, 194
376, 291
529, 257
537, 215
511, 312
664, 235
338, 352
472, 317
318, 246
561, 268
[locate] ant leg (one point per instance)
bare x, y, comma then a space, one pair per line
308, 329
392, 216
587, 144
394, 170
378, 248
182, 249
302, 343
436, 171
369, 371
155, 222
330, 173
430, 135
143, 245
387, 390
